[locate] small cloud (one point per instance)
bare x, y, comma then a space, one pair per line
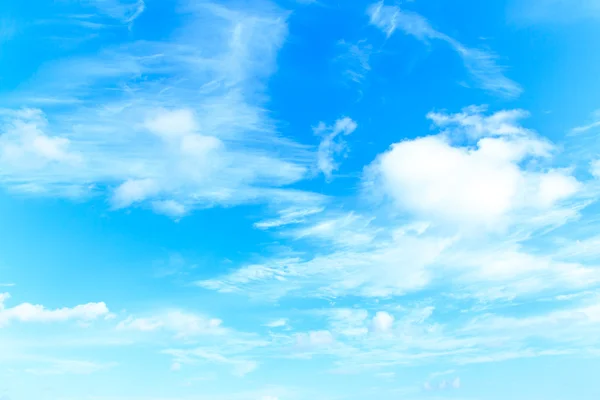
331, 144
125, 11
382, 322
169, 208
278, 323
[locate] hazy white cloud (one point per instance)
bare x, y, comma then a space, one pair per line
125, 11
393, 266
25, 146
349, 230
482, 65
314, 339
553, 11
332, 143
348, 322
595, 123
288, 216
382, 322
239, 365
181, 324
67, 367
26, 312
197, 137
595, 168
277, 323
355, 58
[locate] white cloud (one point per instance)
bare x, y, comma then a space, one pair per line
26, 312
197, 137
331, 143
505, 271
134, 191
25, 146
182, 324
481, 64
393, 266
171, 124
348, 322
171, 208
382, 322
349, 230
277, 323
355, 58
483, 184
595, 168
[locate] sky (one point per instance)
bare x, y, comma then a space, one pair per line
299, 200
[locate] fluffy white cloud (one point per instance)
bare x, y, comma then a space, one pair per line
26, 312
382, 322
394, 266
332, 144
445, 178
480, 64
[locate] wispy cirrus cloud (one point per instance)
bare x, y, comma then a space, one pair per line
168, 125
126, 11
590, 126
481, 65
332, 143
355, 58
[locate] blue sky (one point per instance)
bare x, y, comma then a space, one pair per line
302, 199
